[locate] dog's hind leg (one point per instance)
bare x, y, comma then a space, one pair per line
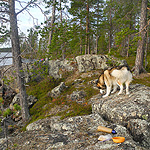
127, 87
121, 87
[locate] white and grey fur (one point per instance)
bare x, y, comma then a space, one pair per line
113, 77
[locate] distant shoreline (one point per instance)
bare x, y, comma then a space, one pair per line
5, 58
5, 50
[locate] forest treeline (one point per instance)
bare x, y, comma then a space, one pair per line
87, 27
84, 27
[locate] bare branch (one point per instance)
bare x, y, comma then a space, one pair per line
144, 27
31, 2
41, 10
29, 12
7, 20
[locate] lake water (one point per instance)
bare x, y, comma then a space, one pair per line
4, 60
8, 61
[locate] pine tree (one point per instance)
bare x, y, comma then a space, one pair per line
140, 50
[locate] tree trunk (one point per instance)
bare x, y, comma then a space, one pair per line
17, 60
146, 49
127, 54
110, 31
97, 36
51, 25
87, 46
80, 37
140, 50
96, 48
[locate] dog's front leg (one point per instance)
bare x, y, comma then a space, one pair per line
107, 91
114, 88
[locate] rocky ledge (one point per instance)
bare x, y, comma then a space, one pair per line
128, 115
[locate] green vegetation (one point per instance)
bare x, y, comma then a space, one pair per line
40, 91
45, 102
7, 112
145, 80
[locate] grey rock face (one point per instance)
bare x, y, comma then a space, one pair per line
120, 109
77, 96
57, 90
140, 130
91, 62
55, 66
74, 133
124, 109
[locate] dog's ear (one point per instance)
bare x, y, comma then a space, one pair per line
98, 85
101, 86
98, 79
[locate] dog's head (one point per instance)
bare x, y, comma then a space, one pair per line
101, 83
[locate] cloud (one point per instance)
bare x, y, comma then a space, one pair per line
29, 20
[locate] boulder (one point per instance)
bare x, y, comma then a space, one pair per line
58, 89
79, 132
77, 96
140, 130
57, 65
92, 62
16, 100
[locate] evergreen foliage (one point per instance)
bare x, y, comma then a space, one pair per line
110, 26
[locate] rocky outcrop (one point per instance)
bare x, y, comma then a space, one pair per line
92, 62
121, 109
132, 111
58, 89
140, 130
77, 96
72, 133
57, 65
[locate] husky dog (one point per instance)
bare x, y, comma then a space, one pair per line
113, 77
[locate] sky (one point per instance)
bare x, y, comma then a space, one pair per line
25, 21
